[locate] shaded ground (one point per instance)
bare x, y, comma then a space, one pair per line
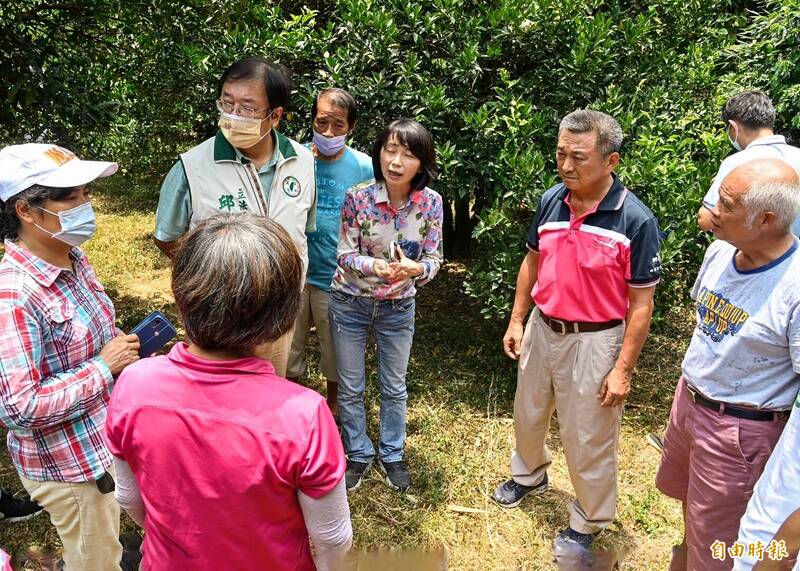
460, 430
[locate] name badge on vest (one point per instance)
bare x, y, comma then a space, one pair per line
291, 186
229, 202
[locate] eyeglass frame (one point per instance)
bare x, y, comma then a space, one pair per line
245, 114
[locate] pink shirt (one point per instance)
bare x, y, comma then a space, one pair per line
219, 450
588, 262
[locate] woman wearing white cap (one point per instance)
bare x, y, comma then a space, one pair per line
59, 349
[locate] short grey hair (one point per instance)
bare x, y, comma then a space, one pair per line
609, 133
780, 198
237, 280
751, 109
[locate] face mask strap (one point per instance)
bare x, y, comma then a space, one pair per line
43, 209
734, 140
46, 231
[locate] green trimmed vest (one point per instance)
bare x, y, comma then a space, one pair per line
220, 183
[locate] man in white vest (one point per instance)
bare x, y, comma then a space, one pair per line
247, 166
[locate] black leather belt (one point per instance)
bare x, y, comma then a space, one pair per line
765, 415
563, 327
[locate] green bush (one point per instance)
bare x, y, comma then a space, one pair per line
136, 81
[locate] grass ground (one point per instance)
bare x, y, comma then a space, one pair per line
460, 432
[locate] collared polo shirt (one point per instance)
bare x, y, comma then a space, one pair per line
220, 450
587, 262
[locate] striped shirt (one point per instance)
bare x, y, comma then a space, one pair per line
54, 388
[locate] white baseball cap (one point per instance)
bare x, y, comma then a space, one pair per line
22, 166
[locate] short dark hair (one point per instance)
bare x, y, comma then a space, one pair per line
607, 129
236, 281
33, 196
341, 99
275, 78
418, 140
750, 109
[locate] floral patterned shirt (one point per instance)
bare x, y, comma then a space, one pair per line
370, 224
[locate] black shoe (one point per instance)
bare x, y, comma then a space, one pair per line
396, 475
355, 473
131, 551
17, 509
509, 494
571, 543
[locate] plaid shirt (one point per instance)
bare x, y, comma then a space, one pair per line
54, 389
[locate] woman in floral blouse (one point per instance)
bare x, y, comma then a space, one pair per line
390, 242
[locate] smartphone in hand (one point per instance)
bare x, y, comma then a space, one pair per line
410, 248
154, 332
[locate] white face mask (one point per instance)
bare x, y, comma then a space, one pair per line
733, 140
77, 224
242, 132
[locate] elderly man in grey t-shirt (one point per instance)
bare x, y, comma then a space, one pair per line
740, 373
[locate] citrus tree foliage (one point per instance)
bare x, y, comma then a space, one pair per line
136, 80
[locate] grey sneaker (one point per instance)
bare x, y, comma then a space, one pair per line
397, 475
509, 494
573, 545
355, 473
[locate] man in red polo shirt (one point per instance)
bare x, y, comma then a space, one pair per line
591, 271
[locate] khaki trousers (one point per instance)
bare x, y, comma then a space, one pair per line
313, 310
563, 373
277, 352
87, 523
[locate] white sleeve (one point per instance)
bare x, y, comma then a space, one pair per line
712, 196
776, 494
328, 523
127, 492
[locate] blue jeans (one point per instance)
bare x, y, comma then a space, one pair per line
393, 324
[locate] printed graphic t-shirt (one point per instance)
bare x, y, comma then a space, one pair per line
333, 180
746, 346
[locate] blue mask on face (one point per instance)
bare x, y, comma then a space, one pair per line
77, 224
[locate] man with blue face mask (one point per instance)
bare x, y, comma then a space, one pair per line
749, 118
338, 167
248, 166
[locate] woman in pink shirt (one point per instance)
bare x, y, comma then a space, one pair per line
225, 464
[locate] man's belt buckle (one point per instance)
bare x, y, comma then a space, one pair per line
561, 323
692, 393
